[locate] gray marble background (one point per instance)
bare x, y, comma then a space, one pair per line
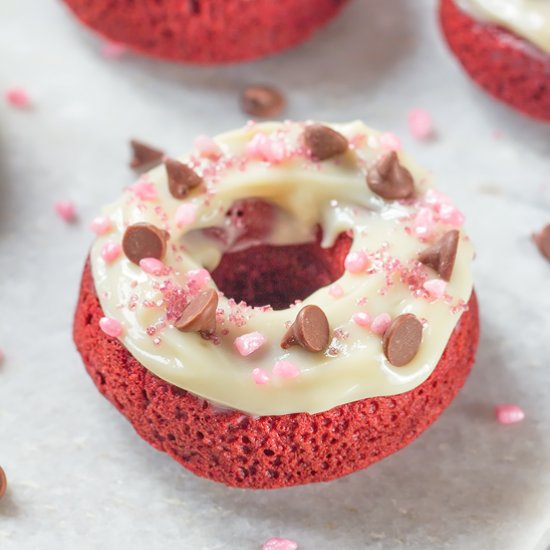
79, 476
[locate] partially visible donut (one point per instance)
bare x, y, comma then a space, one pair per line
288, 304
506, 65
206, 31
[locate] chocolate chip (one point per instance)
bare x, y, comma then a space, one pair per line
389, 179
181, 178
3, 482
542, 240
200, 314
310, 330
402, 339
144, 240
262, 101
143, 155
441, 255
324, 142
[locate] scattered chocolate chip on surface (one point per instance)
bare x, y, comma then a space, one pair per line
441, 255
200, 314
181, 178
262, 101
324, 142
402, 339
144, 240
310, 330
389, 179
3, 482
542, 240
143, 155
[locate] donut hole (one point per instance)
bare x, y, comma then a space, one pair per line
277, 276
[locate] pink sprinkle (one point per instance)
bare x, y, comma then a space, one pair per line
420, 124
380, 323
362, 318
18, 97
285, 369
437, 198
390, 141
152, 266
110, 251
451, 215
356, 262
336, 291
435, 288
186, 214
101, 225
207, 147
144, 190
110, 326
198, 278
113, 50
424, 223
249, 343
277, 543
266, 148
509, 414
260, 376
66, 210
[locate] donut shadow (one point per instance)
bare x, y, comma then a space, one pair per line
339, 58
8, 506
448, 472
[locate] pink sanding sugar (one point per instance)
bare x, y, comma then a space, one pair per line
249, 343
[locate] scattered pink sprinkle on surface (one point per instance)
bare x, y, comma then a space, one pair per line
260, 377
144, 190
110, 326
390, 141
113, 50
380, 323
18, 97
66, 210
110, 251
101, 225
362, 318
336, 290
285, 369
268, 148
152, 266
185, 215
207, 147
509, 414
277, 543
420, 124
249, 343
356, 262
198, 278
435, 287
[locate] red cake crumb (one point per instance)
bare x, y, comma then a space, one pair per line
206, 31
508, 67
270, 451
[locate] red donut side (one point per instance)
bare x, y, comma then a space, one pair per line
508, 67
206, 31
271, 451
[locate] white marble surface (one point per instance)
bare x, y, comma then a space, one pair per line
80, 477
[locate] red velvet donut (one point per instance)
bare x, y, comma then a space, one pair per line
510, 68
270, 451
206, 31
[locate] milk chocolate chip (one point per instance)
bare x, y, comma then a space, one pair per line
181, 178
144, 240
262, 101
324, 142
441, 255
402, 339
310, 330
200, 314
143, 155
389, 179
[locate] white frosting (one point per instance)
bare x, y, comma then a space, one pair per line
332, 193
529, 19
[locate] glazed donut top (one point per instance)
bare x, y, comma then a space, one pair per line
380, 329
529, 19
